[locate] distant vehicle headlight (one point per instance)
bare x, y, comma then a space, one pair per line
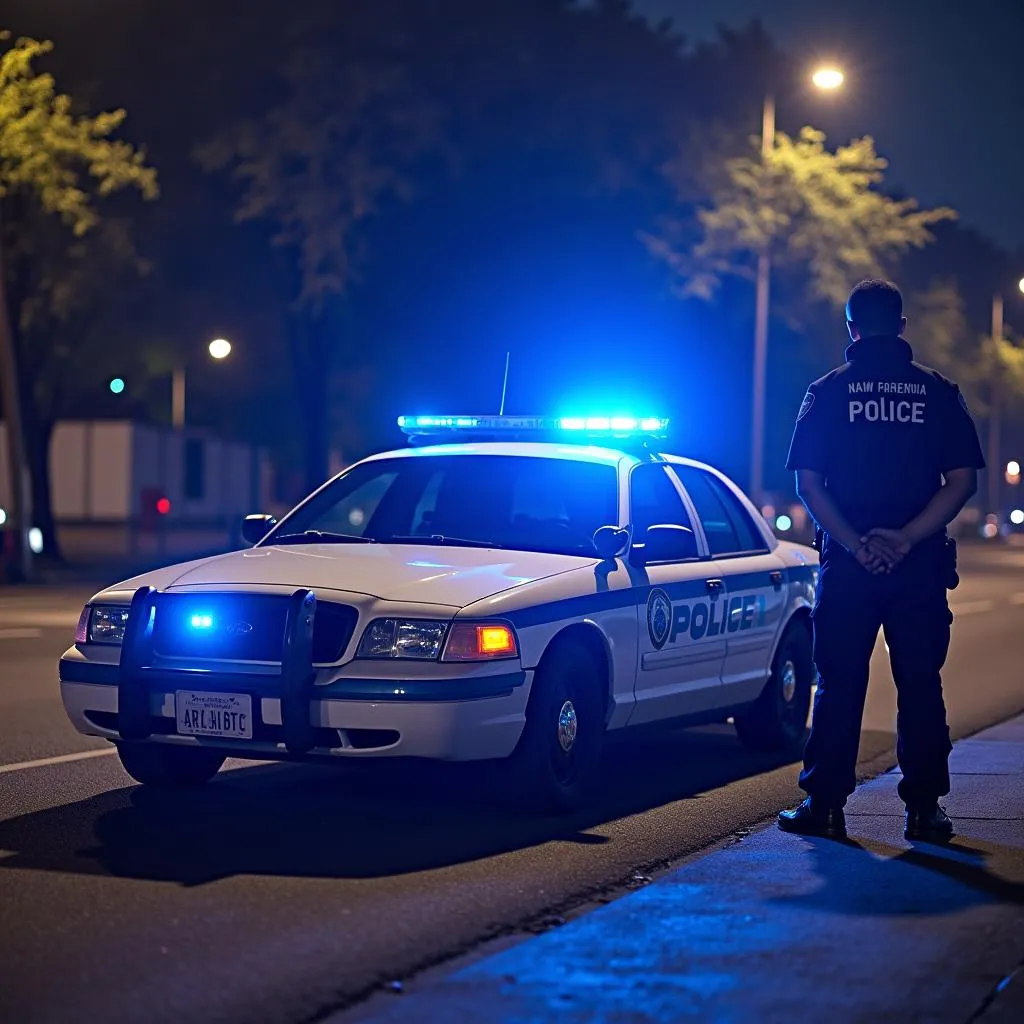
403, 638
107, 624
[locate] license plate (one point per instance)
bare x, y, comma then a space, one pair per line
224, 715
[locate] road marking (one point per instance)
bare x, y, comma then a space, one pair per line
972, 607
61, 759
20, 634
44, 619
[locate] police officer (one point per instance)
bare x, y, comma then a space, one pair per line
886, 454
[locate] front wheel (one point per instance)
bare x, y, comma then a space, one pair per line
164, 766
777, 720
559, 754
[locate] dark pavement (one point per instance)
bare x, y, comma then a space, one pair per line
282, 893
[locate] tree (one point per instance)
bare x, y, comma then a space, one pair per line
318, 166
70, 300
64, 162
821, 216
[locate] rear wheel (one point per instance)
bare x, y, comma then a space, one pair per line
777, 720
157, 764
558, 756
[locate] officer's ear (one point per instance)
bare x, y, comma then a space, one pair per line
852, 328
903, 325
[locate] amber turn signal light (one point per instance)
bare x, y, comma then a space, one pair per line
480, 641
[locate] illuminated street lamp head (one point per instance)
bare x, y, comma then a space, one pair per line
220, 348
1020, 284
828, 78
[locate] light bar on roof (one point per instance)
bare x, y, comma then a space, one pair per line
590, 426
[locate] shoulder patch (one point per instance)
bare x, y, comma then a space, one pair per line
805, 406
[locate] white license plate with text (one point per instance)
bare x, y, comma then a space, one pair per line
224, 715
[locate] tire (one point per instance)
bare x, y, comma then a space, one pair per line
161, 765
556, 762
777, 720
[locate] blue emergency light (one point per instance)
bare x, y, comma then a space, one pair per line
566, 427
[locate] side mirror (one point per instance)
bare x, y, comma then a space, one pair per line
610, 542
666, 542
256, 527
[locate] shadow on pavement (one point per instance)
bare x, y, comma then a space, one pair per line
364, 822
867, 878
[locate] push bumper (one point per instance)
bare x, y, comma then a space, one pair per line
126, 694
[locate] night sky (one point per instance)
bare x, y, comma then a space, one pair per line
939, 84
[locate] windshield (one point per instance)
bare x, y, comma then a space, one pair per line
504, 501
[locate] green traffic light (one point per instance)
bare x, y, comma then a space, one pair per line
117, 385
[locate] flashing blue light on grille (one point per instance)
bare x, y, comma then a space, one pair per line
610, 426
201, 622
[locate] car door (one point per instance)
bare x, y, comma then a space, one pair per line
753, 577
680, 606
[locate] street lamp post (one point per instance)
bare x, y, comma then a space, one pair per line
995, 415
825, 78
219, 348
995, 412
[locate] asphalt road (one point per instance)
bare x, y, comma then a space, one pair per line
281, 893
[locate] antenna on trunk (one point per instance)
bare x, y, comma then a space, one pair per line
504, 384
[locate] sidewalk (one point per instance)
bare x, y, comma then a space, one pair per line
783, 928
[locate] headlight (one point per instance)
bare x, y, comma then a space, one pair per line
402, 638
423, 640
106, 624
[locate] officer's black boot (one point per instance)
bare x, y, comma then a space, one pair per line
928, 824
813, 819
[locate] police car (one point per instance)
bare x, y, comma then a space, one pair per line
504, 588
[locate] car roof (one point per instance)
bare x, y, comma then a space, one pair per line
537, 450
527, 449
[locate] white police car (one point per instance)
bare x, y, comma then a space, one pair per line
504, 588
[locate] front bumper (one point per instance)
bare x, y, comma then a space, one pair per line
448, 712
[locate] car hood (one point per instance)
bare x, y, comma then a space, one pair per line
427, 574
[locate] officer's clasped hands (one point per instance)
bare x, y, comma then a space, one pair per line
882, 550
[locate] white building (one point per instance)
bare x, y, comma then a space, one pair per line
121, 490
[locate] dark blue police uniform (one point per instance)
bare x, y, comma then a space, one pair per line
882, 429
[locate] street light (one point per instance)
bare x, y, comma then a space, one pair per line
828, 78
219, 349
825, 78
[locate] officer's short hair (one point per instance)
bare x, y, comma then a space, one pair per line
875, 307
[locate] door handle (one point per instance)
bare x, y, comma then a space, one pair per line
776, 578
714, 587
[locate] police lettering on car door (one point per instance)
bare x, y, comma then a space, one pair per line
880, 401
675, 622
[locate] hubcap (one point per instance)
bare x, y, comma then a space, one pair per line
788, 682
567, 726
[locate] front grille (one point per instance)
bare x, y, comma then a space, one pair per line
243, 627
332, 630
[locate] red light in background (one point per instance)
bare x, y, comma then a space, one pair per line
163, 506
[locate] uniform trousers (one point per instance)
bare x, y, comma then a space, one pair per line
910, 606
